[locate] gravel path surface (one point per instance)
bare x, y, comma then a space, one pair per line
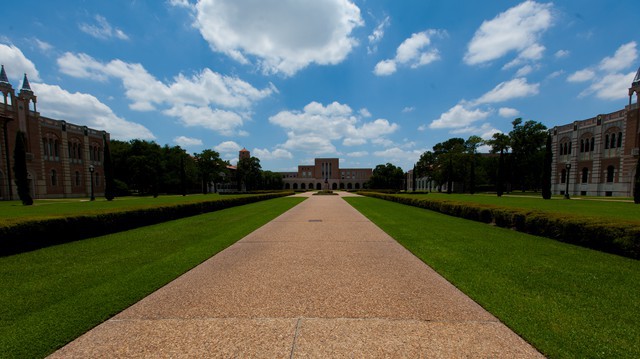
319, 281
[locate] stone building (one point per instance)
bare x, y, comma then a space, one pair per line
598, 156
326, 173
63, 159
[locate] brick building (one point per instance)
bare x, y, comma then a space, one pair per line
60, 155
326, 173
598, 156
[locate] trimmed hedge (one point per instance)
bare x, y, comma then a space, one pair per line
39, 233
622, 238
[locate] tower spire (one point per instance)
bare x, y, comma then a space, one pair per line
3, 76
25, 84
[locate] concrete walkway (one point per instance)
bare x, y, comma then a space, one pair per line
319, 281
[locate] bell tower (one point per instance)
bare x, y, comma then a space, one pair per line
633, 118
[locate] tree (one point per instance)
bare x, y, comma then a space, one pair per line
527, 150
546, 170
450, 160
249, 173
500, 143
109, 182
636, 184
386, 176
471, 146
209, 167
20, 169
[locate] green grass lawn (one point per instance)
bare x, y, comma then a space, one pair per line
51, 208
589, 207
567, 301
51, 296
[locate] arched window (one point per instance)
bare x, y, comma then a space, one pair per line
581, 145
303, 186
54, 178
613, 141
610, 173
295, 186
46, 148
593, 144
585, 175
563, 176
619, 139
56, 149
606, 141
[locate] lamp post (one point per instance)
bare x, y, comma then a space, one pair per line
91, 169
566, 191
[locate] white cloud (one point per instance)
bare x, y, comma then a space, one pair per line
561, 54
385, 67
103, 30
84, 109
285, 36
581, 76
508, 90
184, 141
265, 154
199, 95
611, 86
16, 64
516, 30
413, 51
485, 131
227, 147
408, 109
524, 71
42, 45
365, 113
358, 154
624, 57
608, 79
508, 112
399, 157
457, 117
377, 35
318, 125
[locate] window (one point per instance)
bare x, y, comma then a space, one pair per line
619, 139
563, 176
77, 178
54, 178
610, 173
593, 144
581, 146
613, 141
606, 141
585, 175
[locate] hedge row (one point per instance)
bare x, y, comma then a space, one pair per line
613, 237
34, 234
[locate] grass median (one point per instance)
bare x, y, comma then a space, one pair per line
51, 296
567, 301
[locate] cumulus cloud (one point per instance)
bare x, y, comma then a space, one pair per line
408, 109
405, 158
265, 154
458, 116
228, 147
377, 35
508, 112
16, 64
315, 127
184, 141
485, 131
516, 30
284, 36
102, 29
561, 54
358, 154
85, 109
508, 90
609, 79
413, 51
203, 99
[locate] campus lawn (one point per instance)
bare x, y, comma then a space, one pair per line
602, 207
567, 301
11, 211
51, 296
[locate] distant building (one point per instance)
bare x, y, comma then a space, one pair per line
598, 156
59, 154
326, 173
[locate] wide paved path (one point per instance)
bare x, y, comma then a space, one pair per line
319, 281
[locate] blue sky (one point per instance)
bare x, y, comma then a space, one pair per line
367, 81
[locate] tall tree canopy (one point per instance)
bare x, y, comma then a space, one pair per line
527, 149
386, 176
249, 173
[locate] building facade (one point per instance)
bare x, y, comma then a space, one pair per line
598, 156
326, 173
63, 160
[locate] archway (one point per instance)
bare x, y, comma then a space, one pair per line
295, 186
303, 186
334, 186
318, 186
341, 185
349, 186
357, 185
